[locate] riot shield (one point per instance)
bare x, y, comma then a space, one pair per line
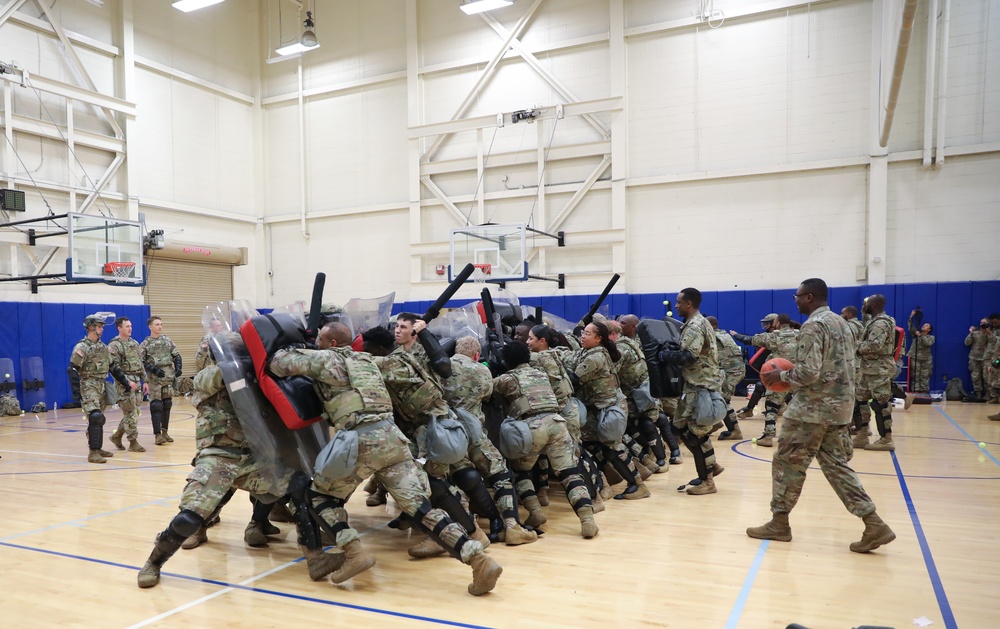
32, 381
8, 383
457, 323
370, 313
270, 440
656, 335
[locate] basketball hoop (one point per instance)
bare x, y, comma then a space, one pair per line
481, 273
120, 272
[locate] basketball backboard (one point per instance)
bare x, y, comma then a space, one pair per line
501, 247
104, 249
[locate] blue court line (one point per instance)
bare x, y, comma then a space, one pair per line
947, 616
297, 597
741, 600
968, 436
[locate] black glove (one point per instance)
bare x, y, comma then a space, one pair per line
159, 373
683, 357
177, 366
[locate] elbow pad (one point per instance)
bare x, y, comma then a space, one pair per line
117, 374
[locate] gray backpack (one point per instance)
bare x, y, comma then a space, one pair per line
611, 423
339, 458
515, 439
447, 441
473, 427
709, 407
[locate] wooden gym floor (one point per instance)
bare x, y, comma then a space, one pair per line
73, 535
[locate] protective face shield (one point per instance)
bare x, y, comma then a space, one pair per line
459, 322
768, 320
98, 318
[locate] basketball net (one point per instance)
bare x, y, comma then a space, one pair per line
120, 272
481, 273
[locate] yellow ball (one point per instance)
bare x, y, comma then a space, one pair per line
6, 375
754, 440
982, 445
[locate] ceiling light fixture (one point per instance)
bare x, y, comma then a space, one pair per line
307, 42
193, 5
471, 7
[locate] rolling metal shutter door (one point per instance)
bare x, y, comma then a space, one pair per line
177, 292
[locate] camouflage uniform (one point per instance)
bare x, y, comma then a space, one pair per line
976, 341
550, 363
730, 364
224, 460
527, 395
92, 361
355, 397
160, 353
876, 349
599, 389
782, 344
642, 437
203, 357
991, 354
857, 330
9, 405
125, 353
816, 421
920, 359
698, 337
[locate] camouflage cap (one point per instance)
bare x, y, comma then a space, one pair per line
769, 318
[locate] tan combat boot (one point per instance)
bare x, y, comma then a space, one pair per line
994, 417
588, 527
649, 461
536, 517
320, 563
994, 400
706, 487
96, 457
777, 529
485, 572
377, 497
860, 440
480, 536
515, 534
371, 485
766, 440
105, 453
877, 533
644, 472
148, 576
166, 436
255, 535
543, 496
745, 413
200, 537
356, 561
641, 491
160, 439
908, 402
884, 444
598, 504
133, 446
731, 435
116, 438
426, 548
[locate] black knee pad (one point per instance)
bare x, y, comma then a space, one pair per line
168, 404
443, 498
186, 523
156, 406
96, 418
467, 479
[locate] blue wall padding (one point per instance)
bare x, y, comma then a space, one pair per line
50, 330
951, 307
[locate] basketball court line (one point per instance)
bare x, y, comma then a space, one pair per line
968, 436
748, 581
90, 517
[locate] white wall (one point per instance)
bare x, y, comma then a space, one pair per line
748, 139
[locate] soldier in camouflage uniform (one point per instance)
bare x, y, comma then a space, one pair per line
418, 394
225, 461
90, 362
815, 424
642, 436
976, 341
992, 359
781, 342
878, 343
920, 359
594, 367
203, 357
163, 364
850, 315
527, 396
699, 357
355, 398
125, 354
733, 371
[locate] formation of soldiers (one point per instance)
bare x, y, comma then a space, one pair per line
138, 369
576, 407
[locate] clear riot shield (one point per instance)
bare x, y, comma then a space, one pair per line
370, 313
454, 324
270, 440
8, 383
32, 381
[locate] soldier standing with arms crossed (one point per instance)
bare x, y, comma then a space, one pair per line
815, 424
163, 365
126, 355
